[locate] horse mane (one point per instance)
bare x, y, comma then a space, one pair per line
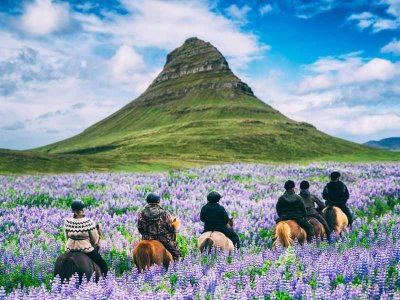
68, 268
283, 233
176, 223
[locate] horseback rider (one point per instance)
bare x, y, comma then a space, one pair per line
216, 218
336, 194
82, 235
154, 223
290, 206
309, 202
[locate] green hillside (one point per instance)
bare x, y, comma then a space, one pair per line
195, 112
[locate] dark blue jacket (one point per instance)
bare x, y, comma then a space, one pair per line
214, 216
335, 193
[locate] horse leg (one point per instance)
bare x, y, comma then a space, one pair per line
167, 258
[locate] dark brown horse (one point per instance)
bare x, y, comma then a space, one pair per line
69, 263
152, 252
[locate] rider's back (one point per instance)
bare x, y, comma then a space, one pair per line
336, 192
81, 234
290, 206
154, 222
214, 217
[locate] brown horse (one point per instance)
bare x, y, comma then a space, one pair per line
152, 252
287, 232
215, 239
335, 218
69, 263
147, 253
319, 229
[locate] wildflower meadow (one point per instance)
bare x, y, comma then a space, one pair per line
362, 263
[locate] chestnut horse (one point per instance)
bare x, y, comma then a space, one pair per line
289, 231
215, 239
319, 229
152, 252
335, 218
69, 263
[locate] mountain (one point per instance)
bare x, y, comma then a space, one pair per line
392, 143
197, 111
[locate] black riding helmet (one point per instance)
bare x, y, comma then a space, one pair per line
335, 175
77, 205
304, 185
289, 185
153, 198
214, 197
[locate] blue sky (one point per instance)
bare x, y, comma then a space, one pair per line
65, 65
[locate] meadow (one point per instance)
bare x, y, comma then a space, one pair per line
364, 263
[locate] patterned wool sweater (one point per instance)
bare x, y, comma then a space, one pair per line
81, 234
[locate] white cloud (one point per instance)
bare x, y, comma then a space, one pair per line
43, 17
377, 23
238, 14
125, 63
98, 63
332, 72
267, 8
369, 124
147, 25
393, 47
347, 96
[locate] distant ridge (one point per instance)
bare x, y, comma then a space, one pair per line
392, 143
195, 112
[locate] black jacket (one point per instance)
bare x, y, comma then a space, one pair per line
214, 216
335, 193
290, 206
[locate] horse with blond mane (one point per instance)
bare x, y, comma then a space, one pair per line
286, 232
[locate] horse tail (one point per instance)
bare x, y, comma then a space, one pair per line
283, 233
68, 268
142, 256
207, 245
330, 216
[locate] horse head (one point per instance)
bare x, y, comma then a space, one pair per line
230, 222
99, 230
175, 222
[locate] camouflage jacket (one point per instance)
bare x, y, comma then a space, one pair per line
154, 223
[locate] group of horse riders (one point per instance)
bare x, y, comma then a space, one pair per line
154, 223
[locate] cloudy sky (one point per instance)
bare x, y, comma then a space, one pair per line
67, 64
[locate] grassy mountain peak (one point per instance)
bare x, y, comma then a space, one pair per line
198, 111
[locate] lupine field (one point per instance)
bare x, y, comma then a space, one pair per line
363, 263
